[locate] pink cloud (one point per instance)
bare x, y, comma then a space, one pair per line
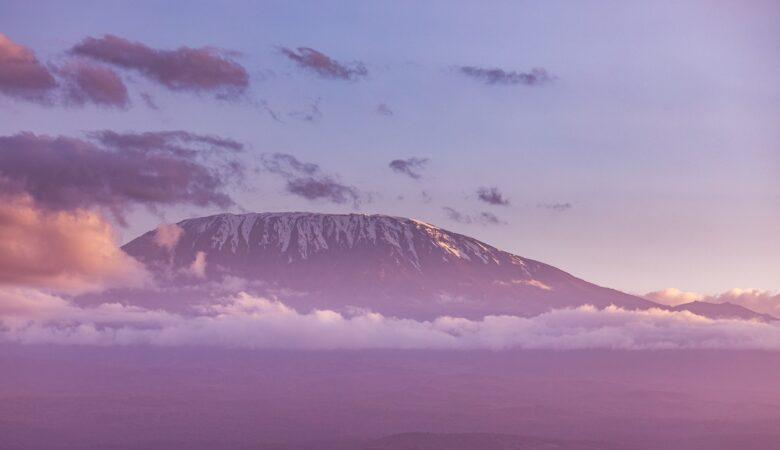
73, 251
21, 74
90, 83
198, 266
168, 235
673, 296
184, 69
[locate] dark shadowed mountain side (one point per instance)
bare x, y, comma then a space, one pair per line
394, 266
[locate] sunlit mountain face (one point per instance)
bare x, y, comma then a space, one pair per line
389, 225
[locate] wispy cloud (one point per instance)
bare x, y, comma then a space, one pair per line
383, 110
409, 167
483, 218
207, 70
311, 113
557, 207
492, 196
324, 66
497, 76
307, 180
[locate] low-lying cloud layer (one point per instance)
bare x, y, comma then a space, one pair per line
245, 321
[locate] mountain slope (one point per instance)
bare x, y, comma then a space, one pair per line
391, 265
723, 311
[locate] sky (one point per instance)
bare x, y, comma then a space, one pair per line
632, 144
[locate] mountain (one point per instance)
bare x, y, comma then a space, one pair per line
391, 265
723, 311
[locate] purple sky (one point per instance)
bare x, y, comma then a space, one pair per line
634, 144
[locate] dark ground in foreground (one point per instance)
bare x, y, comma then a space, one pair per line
141, 397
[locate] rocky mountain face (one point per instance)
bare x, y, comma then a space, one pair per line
391, 265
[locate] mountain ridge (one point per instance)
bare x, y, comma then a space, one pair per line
392, 265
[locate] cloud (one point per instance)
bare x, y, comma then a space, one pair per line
90, 83
323, 65
198, 266
409, 167
149, 169
383, 110
21, 74
149, 101
308, 181
535, 77
489, 218
179, 143
761, 301
484, 218
673, 297
207, 69
492, 196
167, 235
72, 251
310, 114
557, 207
245, 321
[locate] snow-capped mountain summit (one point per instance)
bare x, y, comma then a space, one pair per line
392, 265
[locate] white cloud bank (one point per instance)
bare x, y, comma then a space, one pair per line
245, 321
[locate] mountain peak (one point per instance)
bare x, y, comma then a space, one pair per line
393, 265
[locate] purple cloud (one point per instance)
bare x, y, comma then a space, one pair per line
535, 77
557, 207
308, 181
484, 218
384, 110
492, 196
409, 166
310, 114
489, 218
90, 83
184, 69
63, 173
149, 101
180, 143
21, 74
323, 65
